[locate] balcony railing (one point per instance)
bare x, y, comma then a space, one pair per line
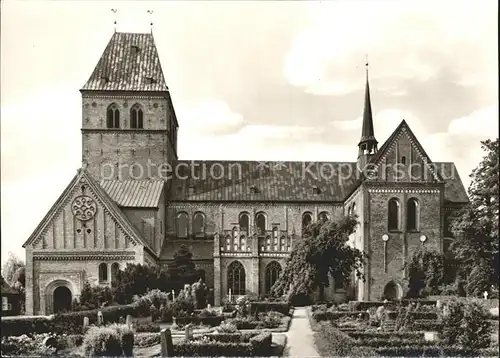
266, 241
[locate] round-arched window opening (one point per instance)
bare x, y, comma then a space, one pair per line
89, 231
78, 230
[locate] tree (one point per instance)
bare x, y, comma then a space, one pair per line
479, 219
182, 270
137, 279
425, 272
478, 280
324, 252
10, 267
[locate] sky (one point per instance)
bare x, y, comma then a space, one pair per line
250, 81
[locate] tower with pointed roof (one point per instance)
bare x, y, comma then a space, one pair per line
129, 126
367, 144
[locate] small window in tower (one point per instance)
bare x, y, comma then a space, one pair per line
134, 49
316, 190
403, 160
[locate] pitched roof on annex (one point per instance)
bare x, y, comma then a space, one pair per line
130, 62
134, 193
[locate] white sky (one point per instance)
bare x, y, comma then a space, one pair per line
269, 80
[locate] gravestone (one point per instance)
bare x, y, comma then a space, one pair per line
100, 319
128, 322
188, 332
167, 347
485, 295
85, 324
209, 307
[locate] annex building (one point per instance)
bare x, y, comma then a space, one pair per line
134, 201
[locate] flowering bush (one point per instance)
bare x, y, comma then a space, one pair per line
243, 306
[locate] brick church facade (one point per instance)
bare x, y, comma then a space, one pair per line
134, 201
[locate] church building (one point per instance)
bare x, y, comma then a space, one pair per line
134, 201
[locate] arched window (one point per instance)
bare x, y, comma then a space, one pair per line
403, 160
268, 243
103, 272
228, 243
393, 215
136, 117
412, 215
182, 222
236, 278
113, 116
306, 221
114, 271
349, 211
242, 243
260, 220
244, 222
199, 224
323, 216
273, 271
353, 209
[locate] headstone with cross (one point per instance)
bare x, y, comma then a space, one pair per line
485, 295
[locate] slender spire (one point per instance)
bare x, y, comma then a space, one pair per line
367, 144
367, 132
114, 12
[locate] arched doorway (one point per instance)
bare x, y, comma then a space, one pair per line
393, 291
62, 299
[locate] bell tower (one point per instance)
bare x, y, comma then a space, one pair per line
129, 126
367, 144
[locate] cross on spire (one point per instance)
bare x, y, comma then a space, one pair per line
114, 11
150, 12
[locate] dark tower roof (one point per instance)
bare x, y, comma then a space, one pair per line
130, 62
367, 133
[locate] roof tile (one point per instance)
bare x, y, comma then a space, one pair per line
126, 70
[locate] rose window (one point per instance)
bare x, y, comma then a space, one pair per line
84, 207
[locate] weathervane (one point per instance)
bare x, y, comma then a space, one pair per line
150, 12
114, 12
366, 65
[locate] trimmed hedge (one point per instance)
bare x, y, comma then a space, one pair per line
359, 334
363, 305
281, 307
320, 316
427, 325
424, 315
69, 323
228, 345
390, 342
207, 321
435, 351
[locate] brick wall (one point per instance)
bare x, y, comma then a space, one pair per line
150, 147
401, 244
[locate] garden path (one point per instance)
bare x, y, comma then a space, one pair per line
300, 342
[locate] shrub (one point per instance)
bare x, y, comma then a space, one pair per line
258, 307
327, 316
271, 319
26, 346
113, 340
332, 342
92, 297
147, 327
405, 318
212, 349
147, 339
466, 323
227, 327
102, 341
475, 330
261, 345
363, 305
